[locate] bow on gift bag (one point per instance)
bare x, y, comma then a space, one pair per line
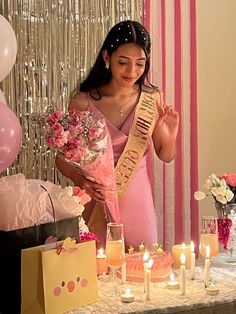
59, 279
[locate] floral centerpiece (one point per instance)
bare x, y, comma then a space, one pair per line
223, 191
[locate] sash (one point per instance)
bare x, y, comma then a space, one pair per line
145, 118
144, 122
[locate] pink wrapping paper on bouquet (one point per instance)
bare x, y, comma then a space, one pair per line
83, 140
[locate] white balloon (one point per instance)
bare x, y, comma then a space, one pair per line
2, 98
8, 47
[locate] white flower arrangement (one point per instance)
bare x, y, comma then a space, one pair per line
217, 188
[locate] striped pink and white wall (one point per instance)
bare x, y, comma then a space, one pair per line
172, 26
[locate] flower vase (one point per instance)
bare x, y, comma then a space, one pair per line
227, 231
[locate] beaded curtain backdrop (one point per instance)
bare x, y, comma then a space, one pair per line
57, 43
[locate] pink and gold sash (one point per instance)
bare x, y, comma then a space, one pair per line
144, 122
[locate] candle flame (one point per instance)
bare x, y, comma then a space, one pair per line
100, 252
208, 251
150, 263
127, 291
172, 277
145, 256
182, 258
192, 247
183, 245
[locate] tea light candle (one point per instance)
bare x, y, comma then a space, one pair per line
172, 284
177, 250
127, 297
101, 262
192, 264
145, 265
148, 280
182, 274
212, 291
207, 265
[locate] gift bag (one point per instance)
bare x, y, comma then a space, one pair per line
55, 282
11, 244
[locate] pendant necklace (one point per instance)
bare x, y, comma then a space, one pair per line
123, 105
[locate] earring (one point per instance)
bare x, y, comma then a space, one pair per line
107, 66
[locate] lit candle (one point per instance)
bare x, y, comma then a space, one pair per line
207, 265
193, 257
177, 250
145, 265
148, 279
182, 274
123, 273
172, 284
127, 297
101, 262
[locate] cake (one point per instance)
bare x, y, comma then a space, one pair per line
160, 270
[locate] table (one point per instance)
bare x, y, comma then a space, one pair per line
163, 300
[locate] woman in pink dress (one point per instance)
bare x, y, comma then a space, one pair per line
118, 88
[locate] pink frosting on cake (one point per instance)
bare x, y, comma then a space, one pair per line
160, 271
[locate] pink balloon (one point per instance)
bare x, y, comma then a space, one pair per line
8, 47
10, 137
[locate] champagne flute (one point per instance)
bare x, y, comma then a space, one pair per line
115, 253
209, 236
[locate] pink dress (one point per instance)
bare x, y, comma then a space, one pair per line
137, 210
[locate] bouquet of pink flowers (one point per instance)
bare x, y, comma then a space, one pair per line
77, 135
82, 139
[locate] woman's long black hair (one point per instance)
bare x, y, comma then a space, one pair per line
121, 33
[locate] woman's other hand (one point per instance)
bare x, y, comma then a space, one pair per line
168, 121
165, 132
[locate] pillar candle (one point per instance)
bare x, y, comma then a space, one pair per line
207, 266
177, 250
193, 257
123, 273
148, 280
182, 275
145, 265
101, 262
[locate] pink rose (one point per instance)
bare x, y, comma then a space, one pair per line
50, 141
61, 139
58, 128
230, 179
55, 117
93, 132
76, 128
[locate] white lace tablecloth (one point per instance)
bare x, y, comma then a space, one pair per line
163, 300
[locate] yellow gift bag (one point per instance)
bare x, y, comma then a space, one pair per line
60, 279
